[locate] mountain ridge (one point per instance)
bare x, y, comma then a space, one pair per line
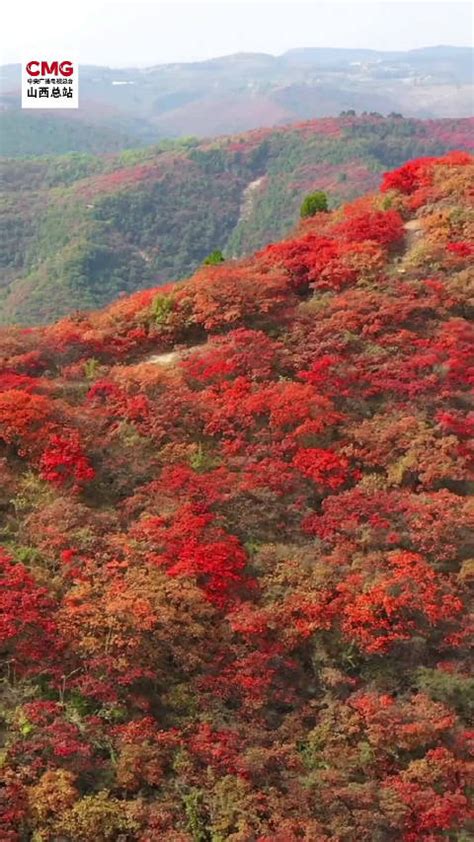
164, 100
79, 230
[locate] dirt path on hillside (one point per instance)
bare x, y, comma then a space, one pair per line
247, 199
414, 230
167, 358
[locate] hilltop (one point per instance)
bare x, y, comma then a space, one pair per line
78, 230
236, 93
235, 565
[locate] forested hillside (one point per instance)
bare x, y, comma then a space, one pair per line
78, 230
235, 566
24, 133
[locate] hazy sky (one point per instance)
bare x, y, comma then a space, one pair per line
152, 32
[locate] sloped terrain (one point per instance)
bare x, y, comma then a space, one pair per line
79, 230
237, 93
234, 581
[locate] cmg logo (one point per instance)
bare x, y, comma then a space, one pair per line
49, 84
53, 68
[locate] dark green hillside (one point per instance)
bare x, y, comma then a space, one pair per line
32, 134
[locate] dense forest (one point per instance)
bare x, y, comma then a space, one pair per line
30, 133
235, 565
78, 230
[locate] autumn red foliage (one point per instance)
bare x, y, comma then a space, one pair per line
234, 589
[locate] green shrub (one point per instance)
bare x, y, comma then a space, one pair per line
161, 308
314, 203
214, 258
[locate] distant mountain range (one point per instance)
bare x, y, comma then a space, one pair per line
78, 230
128, 106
